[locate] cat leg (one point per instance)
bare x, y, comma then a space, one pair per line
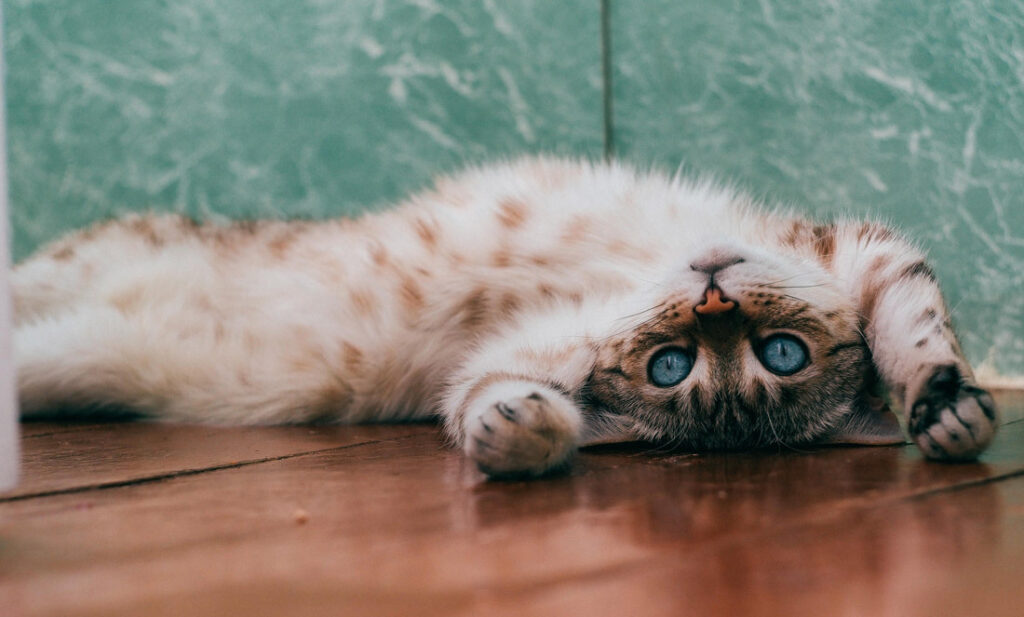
915, 350
78, 360
514, 406
95, 358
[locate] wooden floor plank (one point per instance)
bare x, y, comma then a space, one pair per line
402, 522
946, 554
62, 459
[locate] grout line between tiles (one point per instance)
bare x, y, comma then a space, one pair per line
607, 94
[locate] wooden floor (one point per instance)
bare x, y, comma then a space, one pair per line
144, 519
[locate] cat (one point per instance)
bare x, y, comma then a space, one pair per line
535, 305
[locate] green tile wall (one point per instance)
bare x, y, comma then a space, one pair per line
909, 110
272, 107
912, 111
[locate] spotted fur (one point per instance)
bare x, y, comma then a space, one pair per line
522, 303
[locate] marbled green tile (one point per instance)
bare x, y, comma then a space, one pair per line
912, 111
281, 107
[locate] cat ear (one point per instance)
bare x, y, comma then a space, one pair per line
607, 428
869, 423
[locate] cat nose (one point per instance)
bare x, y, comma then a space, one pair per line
714, 302
715, 261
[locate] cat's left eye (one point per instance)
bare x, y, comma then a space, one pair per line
783, 354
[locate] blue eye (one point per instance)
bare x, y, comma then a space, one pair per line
783, 354
669, 366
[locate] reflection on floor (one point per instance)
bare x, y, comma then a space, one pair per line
146, 519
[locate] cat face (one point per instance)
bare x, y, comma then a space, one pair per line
746, 349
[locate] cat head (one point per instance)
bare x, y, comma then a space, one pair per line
744, 348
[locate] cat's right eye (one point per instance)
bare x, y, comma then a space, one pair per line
669, 366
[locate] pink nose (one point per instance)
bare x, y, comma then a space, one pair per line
714, 303
716, 261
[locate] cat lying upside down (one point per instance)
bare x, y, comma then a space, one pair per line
535, 306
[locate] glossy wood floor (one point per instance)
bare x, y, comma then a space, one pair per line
144, 519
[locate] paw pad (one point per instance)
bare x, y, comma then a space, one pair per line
950, 419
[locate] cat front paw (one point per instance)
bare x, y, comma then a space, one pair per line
521, 429
951, 419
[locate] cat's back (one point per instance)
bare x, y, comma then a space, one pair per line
508, 223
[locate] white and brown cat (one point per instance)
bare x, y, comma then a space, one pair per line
536, 306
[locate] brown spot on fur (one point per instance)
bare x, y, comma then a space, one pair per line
502, 258
427, 232
825, 243
797, 231
474, 309
509, 303
352, 357
576, 297
928, 315
625, 249
873, 232
918, 269
64, 253
576, 229
921, 343
379, 254
411, 295
280, 243
512, 213
127, 301
820, 238
873, 288
540, 261
247, 226
546, 290
144, 228
363, 301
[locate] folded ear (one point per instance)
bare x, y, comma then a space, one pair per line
604, 428
870, 422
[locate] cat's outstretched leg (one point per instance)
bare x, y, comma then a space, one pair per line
909, 332
514, 406
519, 426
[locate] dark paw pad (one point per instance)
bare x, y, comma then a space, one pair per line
951, 419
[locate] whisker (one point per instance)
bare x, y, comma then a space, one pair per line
779, 441
788, 278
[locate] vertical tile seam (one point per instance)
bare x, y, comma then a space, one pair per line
607, 114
